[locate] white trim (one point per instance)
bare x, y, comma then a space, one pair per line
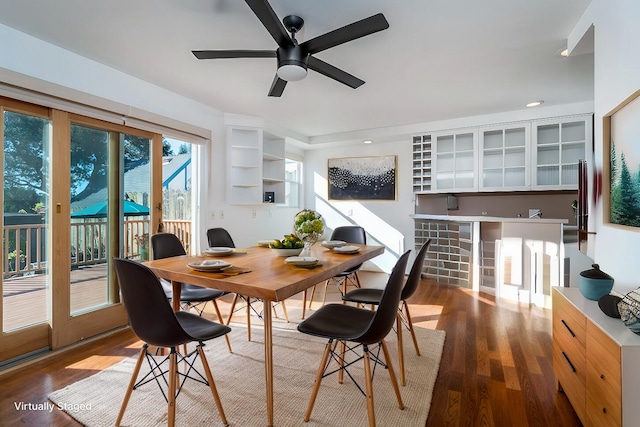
29, 89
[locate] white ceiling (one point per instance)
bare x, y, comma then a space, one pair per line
439, 59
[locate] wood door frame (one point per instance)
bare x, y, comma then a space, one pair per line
64, 329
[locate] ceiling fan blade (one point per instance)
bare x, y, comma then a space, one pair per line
347, 33
218, 54
277, 87
334, 73
269, 19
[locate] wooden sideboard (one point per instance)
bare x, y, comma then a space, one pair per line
596, 360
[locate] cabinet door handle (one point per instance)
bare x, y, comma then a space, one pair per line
566, 359
568, 328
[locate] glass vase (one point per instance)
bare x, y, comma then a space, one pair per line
306, 251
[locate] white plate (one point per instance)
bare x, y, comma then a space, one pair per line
333, 243
265, 243
301, 260
218, 251
347, 249
209, 265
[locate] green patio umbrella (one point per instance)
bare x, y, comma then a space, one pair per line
99, 210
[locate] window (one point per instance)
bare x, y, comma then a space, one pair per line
292, 183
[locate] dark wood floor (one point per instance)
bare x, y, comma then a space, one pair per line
496, 368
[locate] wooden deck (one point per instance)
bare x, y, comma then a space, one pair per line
25, 298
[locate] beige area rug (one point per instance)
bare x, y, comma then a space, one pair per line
239, 376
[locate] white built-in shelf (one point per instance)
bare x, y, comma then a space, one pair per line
255, 167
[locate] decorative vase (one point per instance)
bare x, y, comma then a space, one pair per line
308, 226
309, 241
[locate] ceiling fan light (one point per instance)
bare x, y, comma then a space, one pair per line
292, 73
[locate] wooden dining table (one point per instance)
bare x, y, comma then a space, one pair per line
269, 278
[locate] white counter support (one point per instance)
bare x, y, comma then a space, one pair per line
529, 255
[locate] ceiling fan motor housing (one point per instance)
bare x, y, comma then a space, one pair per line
292, 62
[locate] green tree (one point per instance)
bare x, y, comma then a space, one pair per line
89, 158
613, 172
166, 148
625, 204
25, 160
24, 167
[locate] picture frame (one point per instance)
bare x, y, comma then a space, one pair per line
621, 166
362, 178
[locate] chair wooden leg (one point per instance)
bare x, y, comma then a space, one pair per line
392, 374
212, 384
313, 292
403, 381
171, 393
275, 312
248, 318
324, 295
316, 386
413, 333
369, 387
284, 309
226, 337
304, 302
132, 382
233, 307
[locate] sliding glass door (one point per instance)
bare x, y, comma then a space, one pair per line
76, 193
26, 284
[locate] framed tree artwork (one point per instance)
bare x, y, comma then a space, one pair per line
621, 130
362, 178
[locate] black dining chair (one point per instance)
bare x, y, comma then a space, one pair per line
153, 320
167, 245
372, 296
220, 237
349, 234
363, 327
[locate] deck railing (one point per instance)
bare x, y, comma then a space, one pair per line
24, 246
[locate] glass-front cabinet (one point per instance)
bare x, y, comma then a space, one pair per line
504, 157
559, 145
455, 162
517, 156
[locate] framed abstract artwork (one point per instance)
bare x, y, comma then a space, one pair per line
362, 178
621, 131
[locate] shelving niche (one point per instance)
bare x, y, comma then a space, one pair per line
256, 165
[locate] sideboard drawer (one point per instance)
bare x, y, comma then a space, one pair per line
603, 379
568, 320
569, 352
570, 370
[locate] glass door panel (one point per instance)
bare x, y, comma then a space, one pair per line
177, 172
89, 209
25, 276
137, 193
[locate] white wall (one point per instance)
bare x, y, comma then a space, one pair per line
386, 222
617, 76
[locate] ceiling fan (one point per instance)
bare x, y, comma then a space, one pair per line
294, 59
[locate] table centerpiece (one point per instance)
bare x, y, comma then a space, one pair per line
308, 225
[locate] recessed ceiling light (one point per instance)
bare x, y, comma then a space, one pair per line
535, 103
367, 141
564, 52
